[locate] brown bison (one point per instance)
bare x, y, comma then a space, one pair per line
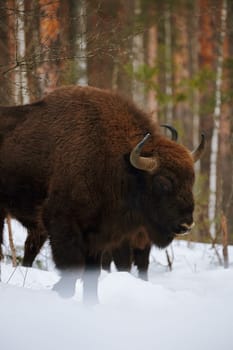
94, 170
136, 251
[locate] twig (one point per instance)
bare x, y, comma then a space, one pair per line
217, 254
169, 260
12, 274
25, 277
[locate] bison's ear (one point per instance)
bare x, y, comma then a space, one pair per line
162, 185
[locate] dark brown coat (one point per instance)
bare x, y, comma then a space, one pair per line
66, 161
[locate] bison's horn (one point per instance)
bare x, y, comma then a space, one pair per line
173, 131
142, 163
197, 153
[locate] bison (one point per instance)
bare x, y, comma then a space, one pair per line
94, 170
137, 250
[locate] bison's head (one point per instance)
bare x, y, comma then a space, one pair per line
167, 198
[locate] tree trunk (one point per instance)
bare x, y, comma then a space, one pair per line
50, 29
8, 52
217, 116
225, 241
151, 56
21, 82
194, 68
138, 60
182, 74
5, 91
168, 63
101, 31
32, 45
206, 65
227, 181
11, 241
123, 81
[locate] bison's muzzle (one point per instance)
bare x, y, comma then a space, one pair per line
184, 229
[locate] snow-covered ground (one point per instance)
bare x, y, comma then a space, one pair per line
190, 307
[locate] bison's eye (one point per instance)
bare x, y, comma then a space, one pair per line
162, 185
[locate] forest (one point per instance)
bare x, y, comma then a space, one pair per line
174, 58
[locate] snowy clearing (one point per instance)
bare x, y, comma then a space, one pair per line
190, 307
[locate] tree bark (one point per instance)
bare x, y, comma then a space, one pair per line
21, 82
11, 241
217, 116
225, 241
206, 38
8, 52
182, 73
5, 91
102, 19
168, 63
50, 28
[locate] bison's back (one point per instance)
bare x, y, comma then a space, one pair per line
74, 140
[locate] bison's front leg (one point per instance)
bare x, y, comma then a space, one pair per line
65, 287
90, 279
67, 246
141, 260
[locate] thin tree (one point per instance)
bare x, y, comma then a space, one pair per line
151, 54
182, 71
101, 41
217, 114
22, 96
4, 57
50, 28
11, 241
168, 61
206, 43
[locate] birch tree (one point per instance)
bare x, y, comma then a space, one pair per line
227, 167
217, 114
225, 163
22, 95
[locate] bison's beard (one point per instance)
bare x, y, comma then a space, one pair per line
160, 235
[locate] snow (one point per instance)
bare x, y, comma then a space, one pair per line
190, 307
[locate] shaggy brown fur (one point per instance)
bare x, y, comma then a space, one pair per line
65, 160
